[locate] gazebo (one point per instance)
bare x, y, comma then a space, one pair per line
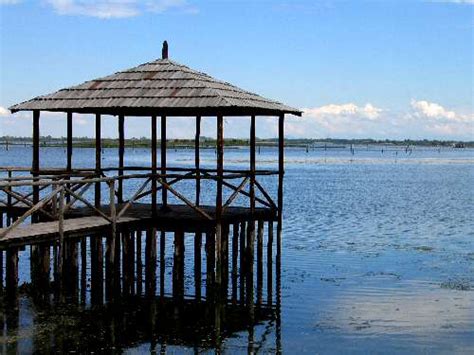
159, 90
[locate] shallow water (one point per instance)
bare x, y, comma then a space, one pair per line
378, 254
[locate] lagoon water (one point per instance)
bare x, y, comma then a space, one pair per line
378, 255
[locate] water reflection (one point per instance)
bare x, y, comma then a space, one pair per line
140, 304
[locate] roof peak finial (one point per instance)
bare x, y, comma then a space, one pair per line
164, 51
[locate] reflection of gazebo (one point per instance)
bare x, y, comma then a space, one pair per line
162, 88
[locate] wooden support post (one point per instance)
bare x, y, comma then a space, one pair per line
220, 173
197, 264
225, 259
210, 263
249, 261
153, 165
69, 142
281, 172
259, 261
98, 159
251, 223
139, 265
150, 262
197, 159
252, 165
242, 268
164, 191
35, 161
12, 274
97, 275
83, 269
178, 265
1, 262
121, 152
235, 255
270, 263
110, 249
62, 251
162, 262
131, 261
126, 241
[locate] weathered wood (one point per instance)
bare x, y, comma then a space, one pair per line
220, 167
11, 280
126, 251
121, 152
235, 193
225, 259
197, 159
281, 172
162, 262
98, 158
30, 212
197, 264
69, 142
35, 166
252, 164
153, 165
178, 265
83, 269
110, 249
139, 265
97, 276
210, 263
242, 268
189, 203
164, 192
235, 255
132, 200
150, 262
1, 264
269, 263
62, 252
259, 261
250, 260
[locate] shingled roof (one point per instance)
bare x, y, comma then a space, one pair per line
161, 87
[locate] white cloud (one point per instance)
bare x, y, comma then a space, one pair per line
368, 111
434, 111
421, 119
107, 9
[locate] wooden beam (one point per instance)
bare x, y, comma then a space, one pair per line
164, 192
153, 165
220, 172
35, 161
252, 165
98, 152
197, 160
121, 152
69, 142
281, 172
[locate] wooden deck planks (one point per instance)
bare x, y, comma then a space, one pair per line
82, 222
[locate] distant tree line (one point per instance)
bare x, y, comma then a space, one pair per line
87, 142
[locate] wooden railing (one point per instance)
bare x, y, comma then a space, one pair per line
70, 187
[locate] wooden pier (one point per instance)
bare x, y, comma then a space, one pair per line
113, 224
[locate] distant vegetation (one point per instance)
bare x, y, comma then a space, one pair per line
87, 142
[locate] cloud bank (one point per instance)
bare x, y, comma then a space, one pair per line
421, 119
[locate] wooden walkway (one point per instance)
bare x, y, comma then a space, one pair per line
82, 222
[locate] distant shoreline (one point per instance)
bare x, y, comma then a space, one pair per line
328, 143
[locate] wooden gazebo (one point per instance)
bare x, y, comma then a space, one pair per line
158, 89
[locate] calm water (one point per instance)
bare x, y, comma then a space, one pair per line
378, 256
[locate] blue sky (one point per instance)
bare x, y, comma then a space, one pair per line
381, 69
